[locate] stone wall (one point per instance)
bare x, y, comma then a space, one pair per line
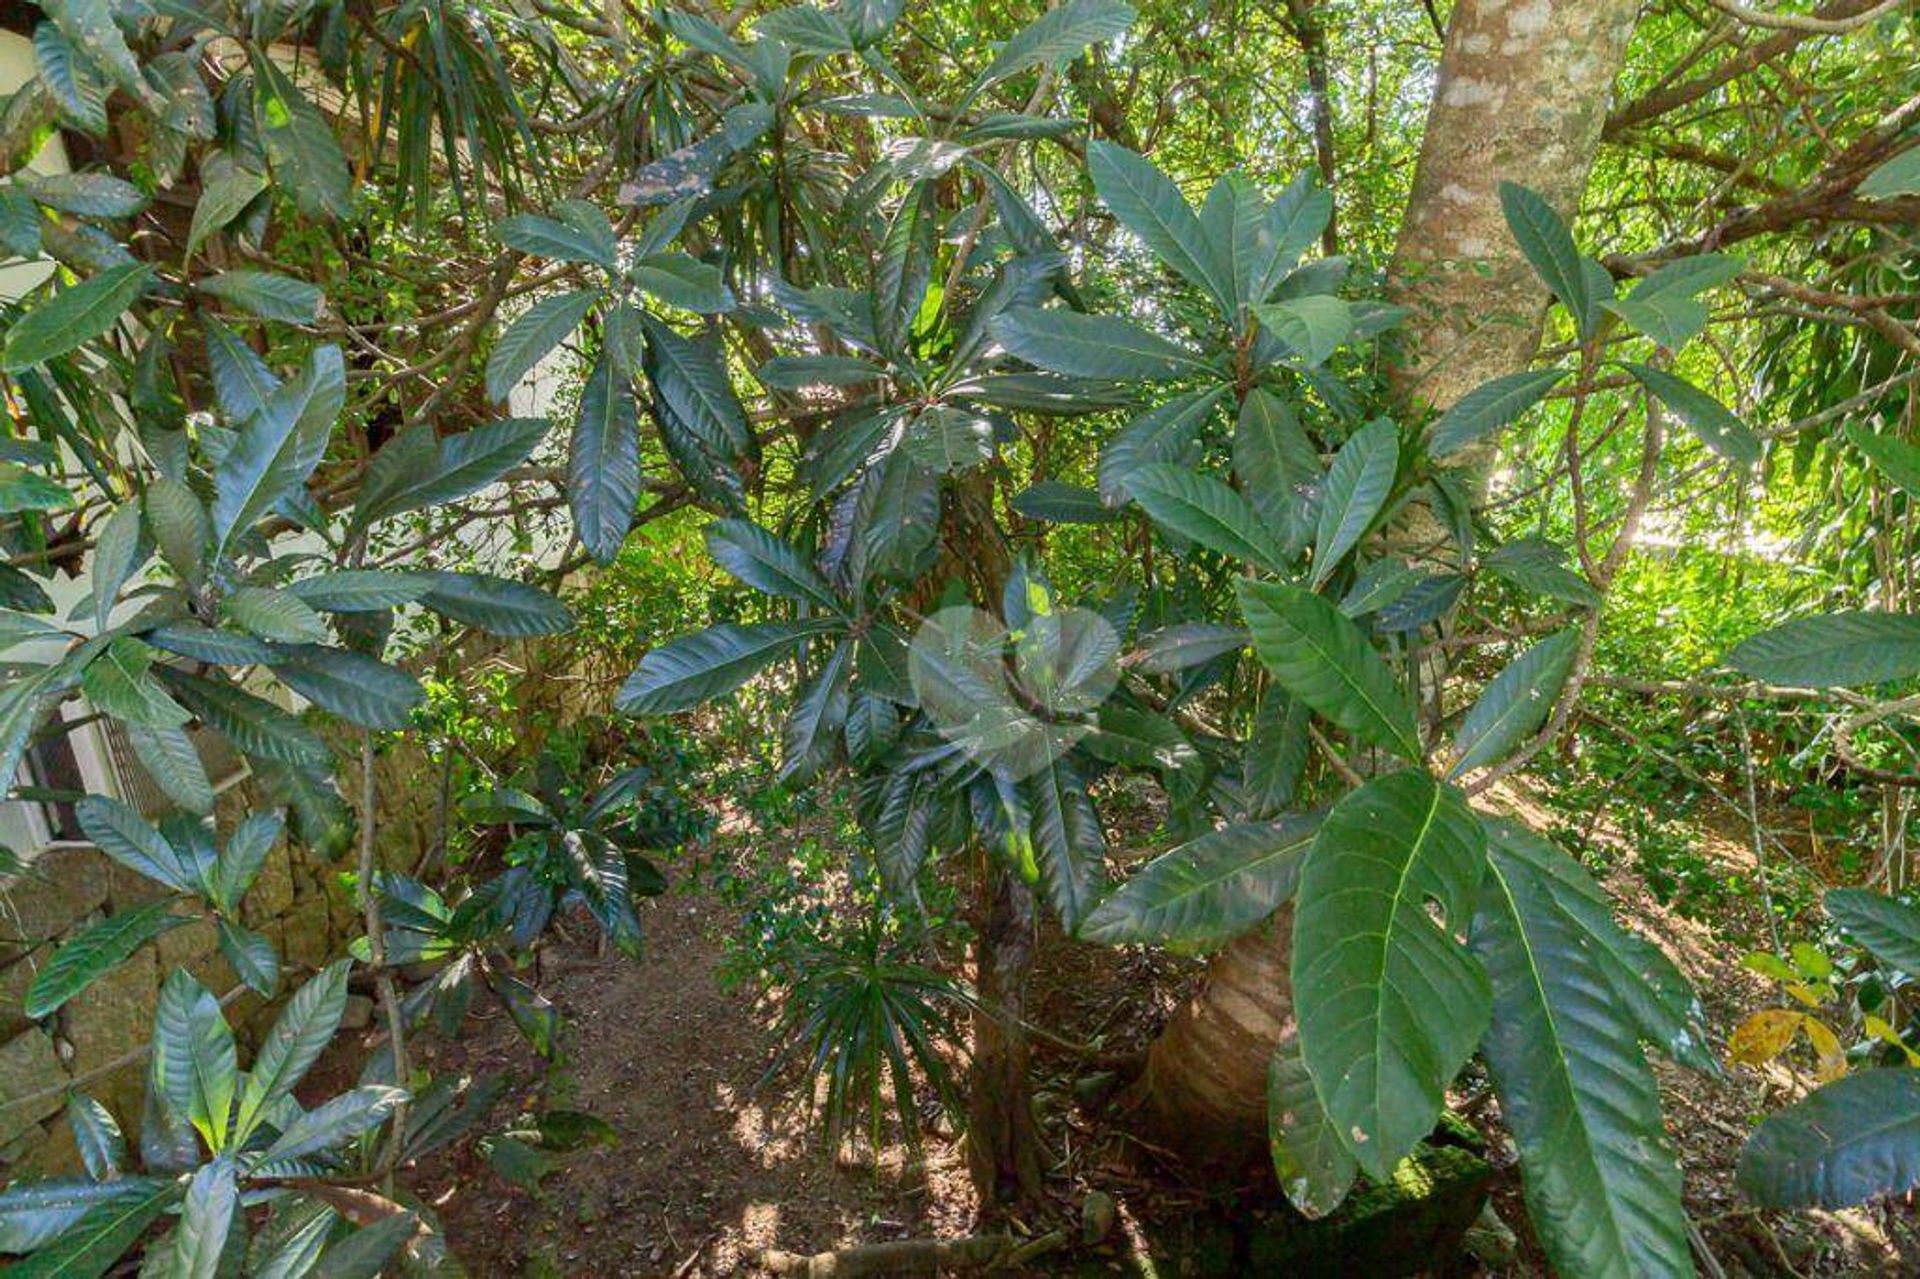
298, 902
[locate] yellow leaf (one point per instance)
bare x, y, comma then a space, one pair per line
1763, 1036
1808, 993
1832, 1058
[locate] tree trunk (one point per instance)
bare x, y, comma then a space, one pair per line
1521, 96
1003, 1146
1204, 1092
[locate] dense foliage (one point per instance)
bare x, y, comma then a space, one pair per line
1045, 476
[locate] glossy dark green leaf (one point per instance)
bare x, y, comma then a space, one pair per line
1515, 703
534, 336
1854, 1139
1548, 246
302, 1031
1323, 659
94, 953
1601, 1182
72, 317
1148, 204
1357, 487
497, 605
1312, 328
360, 689
1389, 1004
1892, 456
1709, 419
1204, 510
1207, 890
1164, 433
697, 668
1488, 407
266, 294
1063, 504
1312, 1164
603, 462
1093, 346
101, 1236
1833, 650
766, 563
1889, 929
1055, 36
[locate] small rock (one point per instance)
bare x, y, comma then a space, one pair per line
1096, 1216
357, 1014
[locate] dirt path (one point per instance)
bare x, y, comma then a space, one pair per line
703, 1174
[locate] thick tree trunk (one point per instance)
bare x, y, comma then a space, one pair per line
1003, 1146
1204, 1092
1522, 95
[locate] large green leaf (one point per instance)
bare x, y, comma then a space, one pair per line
266, 294
277, 449
1206, 511
1889, 929
305, 157
94, 953
1206, 890
1389, 1004
416, 469
205, 1218
1311, 327
603, 461
1358, 485
1277, 465
89, 1248
1849, 1141
1705, 416
551, 238
270, 614
533, 336
681, 280
1515, 703
768, 564
193, 1063
117, 683
697, 668
1163, 433
1549, 247
1322, 658
299, 1035
251, 957
254, 725
1067, 841
1896, 177
1096, 346
1148, 204
171, 759
34, 1211
1892, 456
335, 1121
1601, 1183
360, 689
360, 590
1488, 407
1313, 1165
496, 605
72, 317
1833, 650
1055, 36
904, 269
123, 834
